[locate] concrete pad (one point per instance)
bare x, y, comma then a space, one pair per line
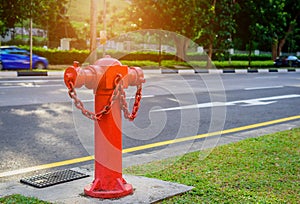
146, 190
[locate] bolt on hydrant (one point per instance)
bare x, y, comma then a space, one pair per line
108, 78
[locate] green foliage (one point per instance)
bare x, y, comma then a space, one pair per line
244, 57
16, 198
243, 64
268, 23
53, 18
59, 57
150, 56
56, 56
23, 41
205, 22
256, 170
141, 63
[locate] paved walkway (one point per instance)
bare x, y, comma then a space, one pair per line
146, 190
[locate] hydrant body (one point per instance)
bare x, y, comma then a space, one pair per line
103, 78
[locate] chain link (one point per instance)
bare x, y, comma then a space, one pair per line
117, 93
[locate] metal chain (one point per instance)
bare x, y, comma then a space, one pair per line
124, 106
118, 91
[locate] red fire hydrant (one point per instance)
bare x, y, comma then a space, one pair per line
108, 78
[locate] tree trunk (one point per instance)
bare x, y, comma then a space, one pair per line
274, 49
249, 55
182, 44
283, 40
210, 52
93, 21
211, 39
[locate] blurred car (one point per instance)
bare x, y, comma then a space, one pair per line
290, 61
13, 57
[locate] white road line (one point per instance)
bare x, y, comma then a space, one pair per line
29, 81
266, 77
31, 86
173, 99
263, 87
248, 102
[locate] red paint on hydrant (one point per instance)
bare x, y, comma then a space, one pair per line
101, 77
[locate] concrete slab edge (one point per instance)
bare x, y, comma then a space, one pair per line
146, 190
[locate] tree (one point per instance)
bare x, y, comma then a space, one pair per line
11, 12
217, 25
55, 21
292, 10
49, 15
269, 23
171, 15
198, 20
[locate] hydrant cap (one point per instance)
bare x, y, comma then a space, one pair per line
108, 61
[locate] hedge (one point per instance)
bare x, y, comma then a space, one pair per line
56, 57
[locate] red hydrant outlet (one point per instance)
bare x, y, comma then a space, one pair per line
108, 78
136, 76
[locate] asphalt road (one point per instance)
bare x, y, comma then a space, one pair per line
39, 124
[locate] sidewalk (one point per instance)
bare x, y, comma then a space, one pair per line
146, 190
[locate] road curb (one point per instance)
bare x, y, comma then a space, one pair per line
12, 74
233, 71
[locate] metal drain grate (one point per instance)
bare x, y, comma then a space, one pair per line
53, 178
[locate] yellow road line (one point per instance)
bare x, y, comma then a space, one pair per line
148, 146
238, 129
46, 166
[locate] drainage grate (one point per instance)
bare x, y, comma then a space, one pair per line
53, 178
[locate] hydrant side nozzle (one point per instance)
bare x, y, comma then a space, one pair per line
136, 76
70, 77
75, 64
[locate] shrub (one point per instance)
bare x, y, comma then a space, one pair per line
56, 56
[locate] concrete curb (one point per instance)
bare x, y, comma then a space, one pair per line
228, 71
13, 74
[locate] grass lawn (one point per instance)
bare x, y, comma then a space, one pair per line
16, 199
196, 64
257, 170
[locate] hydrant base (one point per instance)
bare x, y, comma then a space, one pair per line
123, 190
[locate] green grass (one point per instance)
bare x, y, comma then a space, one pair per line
258, 170
187, 65
16, 199
244, 64
202, 64
140, 63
